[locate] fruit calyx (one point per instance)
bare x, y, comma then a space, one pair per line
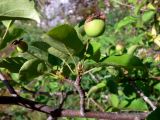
98, 15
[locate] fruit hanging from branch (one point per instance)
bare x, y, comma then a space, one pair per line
95, 25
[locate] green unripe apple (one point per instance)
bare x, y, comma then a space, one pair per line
22, 46
94, 27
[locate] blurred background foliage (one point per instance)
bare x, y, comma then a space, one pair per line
131, 27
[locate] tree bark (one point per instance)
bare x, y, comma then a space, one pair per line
70, 113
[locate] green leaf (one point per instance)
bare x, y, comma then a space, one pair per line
7, 23
138, 6
57, 53
125, 60
31, 69
12, 34
97, 87
124, 22
132, 49
94, 51
52, 86
132, 1
41, 45
18, 10
13, 64
157, 87
133, 104
64, 42
114, 100
54, 60
155, 115
148, 15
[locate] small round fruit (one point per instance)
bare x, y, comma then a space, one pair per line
22, 46
94, 27
119, 48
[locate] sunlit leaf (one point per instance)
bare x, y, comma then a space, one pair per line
114, 100
97, 87
125, 21
133, 104
18, 10
138, 6
148, 15
125, 60
7, 23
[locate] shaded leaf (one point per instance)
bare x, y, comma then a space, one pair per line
41, 45
54, 60
31, 69
64, 41
94, 51
155, 115
57, 53
112, 86
17, 10
13, 64
12, 34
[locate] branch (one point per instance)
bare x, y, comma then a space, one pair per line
80, 90
7, 84
155, 78
77, 85
70, 113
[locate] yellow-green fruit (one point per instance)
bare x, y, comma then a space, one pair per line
94, 27
119, 48
22, 46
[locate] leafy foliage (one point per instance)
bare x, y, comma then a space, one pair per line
13, 64
113, 80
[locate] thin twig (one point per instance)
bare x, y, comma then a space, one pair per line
93, 77
141, 94
6, 31
81, 94
7, 84
155, 78
96, 104
123, 4
77, 85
